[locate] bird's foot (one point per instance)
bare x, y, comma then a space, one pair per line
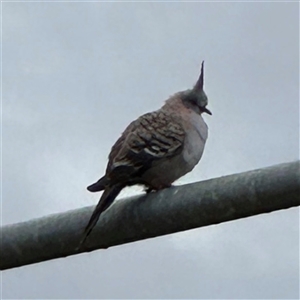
150, 189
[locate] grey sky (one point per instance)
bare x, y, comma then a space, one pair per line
75, 74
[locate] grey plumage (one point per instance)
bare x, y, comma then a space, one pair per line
156, 149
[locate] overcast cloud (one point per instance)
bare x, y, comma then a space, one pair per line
75, 74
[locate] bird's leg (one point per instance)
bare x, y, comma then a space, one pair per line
165, 186
150, 189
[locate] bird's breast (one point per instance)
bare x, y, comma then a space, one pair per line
195, 140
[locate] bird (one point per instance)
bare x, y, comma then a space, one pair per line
156, 149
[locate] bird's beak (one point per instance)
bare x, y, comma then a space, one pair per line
206, 110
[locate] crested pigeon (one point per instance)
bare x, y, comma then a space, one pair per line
156, 149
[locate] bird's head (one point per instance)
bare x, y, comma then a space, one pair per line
196, 97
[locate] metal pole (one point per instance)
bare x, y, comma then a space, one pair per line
171, 210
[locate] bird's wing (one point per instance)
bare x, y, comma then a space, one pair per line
152, 137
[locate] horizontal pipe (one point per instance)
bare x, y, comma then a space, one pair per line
137, 218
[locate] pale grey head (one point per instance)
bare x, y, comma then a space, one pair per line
196, 98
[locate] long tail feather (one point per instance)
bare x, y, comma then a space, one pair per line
105, 201
99, 185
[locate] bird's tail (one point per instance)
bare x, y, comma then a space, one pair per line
99, 185
105, 201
